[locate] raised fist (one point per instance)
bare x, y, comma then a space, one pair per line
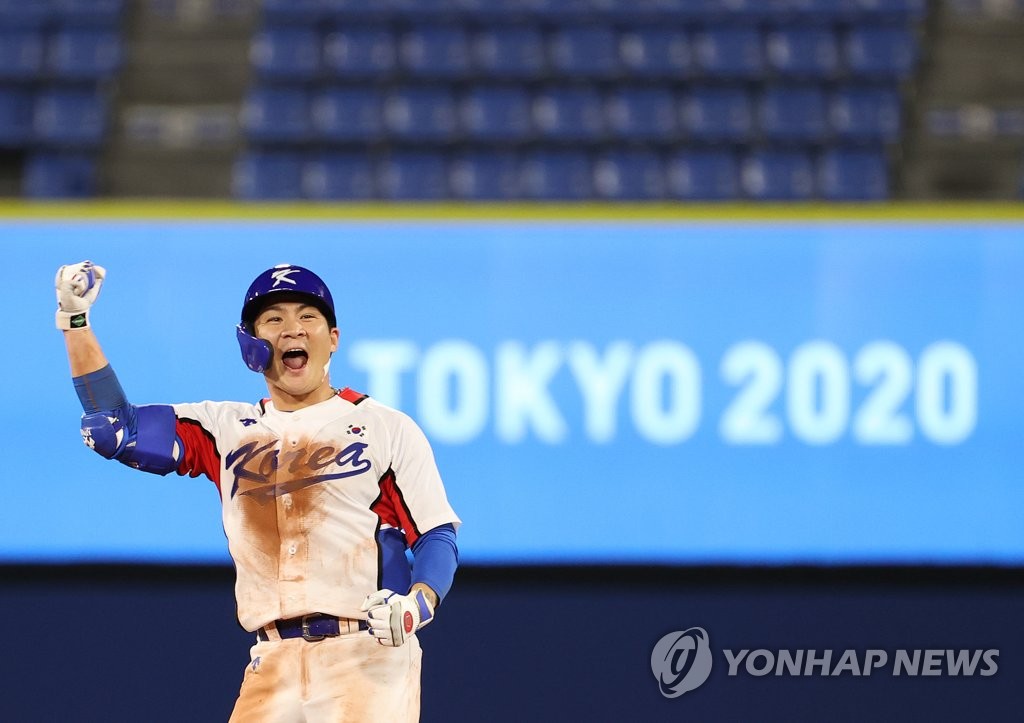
77, 286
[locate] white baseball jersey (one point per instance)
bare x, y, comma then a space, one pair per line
305, 495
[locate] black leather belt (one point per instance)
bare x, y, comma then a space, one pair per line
316, 626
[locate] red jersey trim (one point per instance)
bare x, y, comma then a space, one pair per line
200, 454
391, 508
350, 395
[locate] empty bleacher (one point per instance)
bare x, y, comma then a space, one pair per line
58, 60
581, 99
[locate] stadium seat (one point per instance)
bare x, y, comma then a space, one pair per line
883, 51
642, 113
778, 175
87, 12
792, 113
811, 52
903, 10
286, 53
438, 51
280, 12
413, 176
421, 113
23, 14
69, 117
729, 52
853, 175
509, 52
358, 51
84, 53
584, 51
718, 113
277, 114
338, 177
655, 52
348, 114
263, 176
866, 114
629, 175
52, 175
484, 176
704, 175
496, 113
15, 116
568, 113
557, 175
21, 53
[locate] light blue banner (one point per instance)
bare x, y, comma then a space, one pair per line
613, 392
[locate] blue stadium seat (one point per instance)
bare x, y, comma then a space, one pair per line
853, 175
355, 51
882, 51
277, 114
811, 52
286, 53
422, 9
629, 175
484, 176
793, 113
413, 176
497, 113
439, 51
338, 177
348, 114
718, 113
778, 175
267, 176
22, 14
589, 51
15, 116
281, 12
21, 53
569, 113
515, 51
656, 52
557, 175
704, 175
643, 113
729, 52
88, 12
866, 114
84, 53
69, 116
421, 113
902, 10
53, 175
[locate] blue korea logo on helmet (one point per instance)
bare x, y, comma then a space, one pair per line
282, 279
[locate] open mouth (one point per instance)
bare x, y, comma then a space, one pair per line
295, 358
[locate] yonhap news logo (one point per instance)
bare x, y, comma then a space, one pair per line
681, 662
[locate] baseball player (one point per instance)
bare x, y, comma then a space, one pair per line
324, 492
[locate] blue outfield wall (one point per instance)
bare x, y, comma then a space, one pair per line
670, 391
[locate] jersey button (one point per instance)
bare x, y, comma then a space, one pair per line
291, 550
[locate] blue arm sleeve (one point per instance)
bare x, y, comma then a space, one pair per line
100, 390
435, 557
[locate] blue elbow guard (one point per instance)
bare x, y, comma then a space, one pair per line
141, 437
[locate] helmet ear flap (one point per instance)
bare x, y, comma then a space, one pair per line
256, 353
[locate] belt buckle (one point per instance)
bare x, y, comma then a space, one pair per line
306, 635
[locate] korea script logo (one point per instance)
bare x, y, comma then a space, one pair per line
259, 465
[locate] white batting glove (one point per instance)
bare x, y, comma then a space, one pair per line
395, 618
78, 285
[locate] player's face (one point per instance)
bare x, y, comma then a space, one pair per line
302, 342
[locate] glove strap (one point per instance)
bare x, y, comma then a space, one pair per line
68, 321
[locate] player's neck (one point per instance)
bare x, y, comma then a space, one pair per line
286, 402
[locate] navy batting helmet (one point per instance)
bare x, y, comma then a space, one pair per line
283, 282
